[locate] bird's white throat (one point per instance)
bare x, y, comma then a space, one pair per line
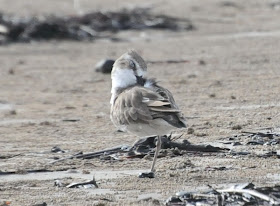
121, 78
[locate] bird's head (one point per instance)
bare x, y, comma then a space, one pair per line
128, 70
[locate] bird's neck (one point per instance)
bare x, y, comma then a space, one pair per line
119, 88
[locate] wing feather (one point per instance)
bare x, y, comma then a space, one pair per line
155, 103
140, 104
164, 109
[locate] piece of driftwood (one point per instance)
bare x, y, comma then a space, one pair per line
143, 147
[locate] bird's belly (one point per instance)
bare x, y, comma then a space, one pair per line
155, 127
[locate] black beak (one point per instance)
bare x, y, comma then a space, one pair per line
140, 80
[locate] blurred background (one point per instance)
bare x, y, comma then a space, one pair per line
220, 59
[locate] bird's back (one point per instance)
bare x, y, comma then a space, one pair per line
147, 110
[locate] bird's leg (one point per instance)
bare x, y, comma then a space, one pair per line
158, 147
151, 173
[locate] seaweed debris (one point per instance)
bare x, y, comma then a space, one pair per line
85, 27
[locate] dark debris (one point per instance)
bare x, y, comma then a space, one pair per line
57, 149
41, 204
262, 137
237, 195
85, 27
105, 66
86, 184
146, 146
146, 175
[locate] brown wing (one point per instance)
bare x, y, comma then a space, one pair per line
139, 104
177, 120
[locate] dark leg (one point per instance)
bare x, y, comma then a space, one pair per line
151, 173
156, 153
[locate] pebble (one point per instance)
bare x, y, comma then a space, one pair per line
105, 66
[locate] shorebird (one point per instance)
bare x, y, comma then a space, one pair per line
139, 105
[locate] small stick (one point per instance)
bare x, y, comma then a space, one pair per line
176, 138
89, 155
66, 158
10, 156
34, 171
170, 61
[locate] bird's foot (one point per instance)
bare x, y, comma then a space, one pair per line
146, 175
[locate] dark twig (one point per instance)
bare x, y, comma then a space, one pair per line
262, 134
9, 156
91, 154
176, 137
34, 171
170, 61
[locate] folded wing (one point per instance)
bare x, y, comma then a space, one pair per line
140, 104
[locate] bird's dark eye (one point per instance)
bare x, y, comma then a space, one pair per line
132, 65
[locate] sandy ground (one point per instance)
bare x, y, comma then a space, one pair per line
54, 81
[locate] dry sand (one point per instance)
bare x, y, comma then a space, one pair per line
53, 81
